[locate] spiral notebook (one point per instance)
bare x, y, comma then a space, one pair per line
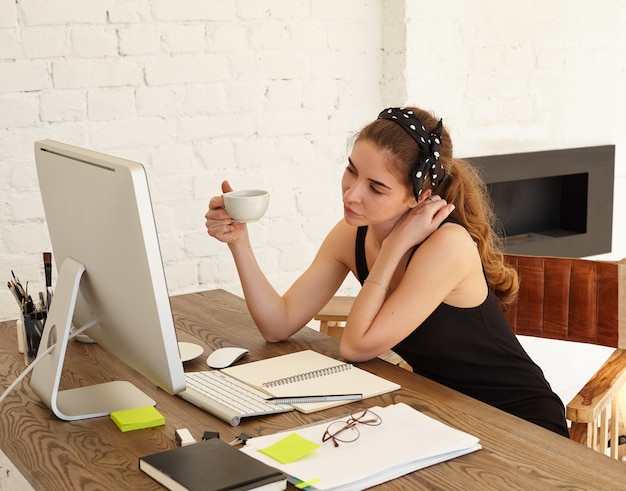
308, 373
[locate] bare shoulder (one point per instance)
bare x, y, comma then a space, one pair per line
340, 241
341, 233
459, 275
450, 244
454, 235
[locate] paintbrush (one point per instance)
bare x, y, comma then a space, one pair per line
47, 266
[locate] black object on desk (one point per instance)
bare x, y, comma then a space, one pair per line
210, 465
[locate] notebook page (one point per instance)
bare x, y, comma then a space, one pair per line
348, 379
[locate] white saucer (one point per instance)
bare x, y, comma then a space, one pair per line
189, 351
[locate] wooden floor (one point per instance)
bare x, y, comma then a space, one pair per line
10, 477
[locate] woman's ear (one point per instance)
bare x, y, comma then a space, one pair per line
422, 197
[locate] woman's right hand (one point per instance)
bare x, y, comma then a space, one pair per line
219, 223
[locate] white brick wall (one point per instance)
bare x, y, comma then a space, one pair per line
266, 93
531, 75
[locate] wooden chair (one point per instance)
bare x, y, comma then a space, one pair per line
566, 299
584, 301
333, 316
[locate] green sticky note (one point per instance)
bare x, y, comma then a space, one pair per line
137, 418
302, 484
291, 448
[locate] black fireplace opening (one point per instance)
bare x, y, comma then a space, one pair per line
549, 206
557, 202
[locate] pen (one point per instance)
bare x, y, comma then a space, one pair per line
16, 294
311, 399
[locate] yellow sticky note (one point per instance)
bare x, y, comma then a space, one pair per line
137, 418
291, 448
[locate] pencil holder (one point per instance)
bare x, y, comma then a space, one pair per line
33, 329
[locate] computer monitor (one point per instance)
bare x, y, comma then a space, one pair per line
110, 272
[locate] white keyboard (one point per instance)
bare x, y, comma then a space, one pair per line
226, 397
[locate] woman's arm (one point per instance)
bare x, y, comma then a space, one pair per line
446, 267
278, 317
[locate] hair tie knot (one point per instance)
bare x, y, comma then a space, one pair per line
429, 146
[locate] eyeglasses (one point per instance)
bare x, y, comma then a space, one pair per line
347, 431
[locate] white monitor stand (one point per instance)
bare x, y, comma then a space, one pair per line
81, 402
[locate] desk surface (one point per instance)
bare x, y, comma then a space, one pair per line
94, 454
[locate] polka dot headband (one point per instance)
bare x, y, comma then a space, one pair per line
429, 145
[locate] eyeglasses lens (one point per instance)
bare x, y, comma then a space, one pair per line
347, 431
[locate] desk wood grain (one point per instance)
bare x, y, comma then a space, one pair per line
94, 454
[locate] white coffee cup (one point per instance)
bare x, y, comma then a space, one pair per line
248, 205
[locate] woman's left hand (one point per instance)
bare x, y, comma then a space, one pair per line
420, 222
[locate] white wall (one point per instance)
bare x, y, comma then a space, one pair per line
524, 76
267, 93
264, 93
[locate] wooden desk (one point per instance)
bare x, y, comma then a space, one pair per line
94, 454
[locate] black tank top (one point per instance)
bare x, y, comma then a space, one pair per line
475, 351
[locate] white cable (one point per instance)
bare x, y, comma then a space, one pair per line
40, 357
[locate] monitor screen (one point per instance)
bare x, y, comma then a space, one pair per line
110, 273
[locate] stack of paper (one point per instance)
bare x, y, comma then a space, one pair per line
406, 440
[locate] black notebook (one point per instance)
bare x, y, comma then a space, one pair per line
211, 465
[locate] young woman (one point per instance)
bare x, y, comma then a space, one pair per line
417, 232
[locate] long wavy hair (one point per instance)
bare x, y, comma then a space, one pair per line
463, 187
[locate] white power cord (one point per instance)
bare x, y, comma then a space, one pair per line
41, 356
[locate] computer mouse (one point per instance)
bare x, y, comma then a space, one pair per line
224, 357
